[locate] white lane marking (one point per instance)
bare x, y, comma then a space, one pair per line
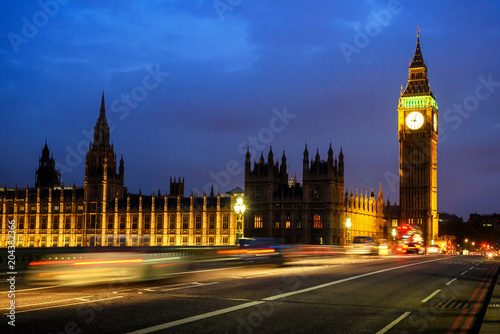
394, 323
464, 273
287, 294
53, 301
453, 280
191, 285
431, 295
195, 318
64, 305
250, 304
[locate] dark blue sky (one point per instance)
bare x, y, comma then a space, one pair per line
188, 83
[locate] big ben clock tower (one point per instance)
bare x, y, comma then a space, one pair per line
418, 136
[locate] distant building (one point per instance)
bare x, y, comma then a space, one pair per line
315, 211
104, 213
47, 175
485, 227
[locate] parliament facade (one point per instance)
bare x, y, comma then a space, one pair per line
317, 211
104, 213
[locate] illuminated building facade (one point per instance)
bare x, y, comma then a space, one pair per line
418, 137
102, 212
315, 211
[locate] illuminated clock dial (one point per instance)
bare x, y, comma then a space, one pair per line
414, 120
435, 122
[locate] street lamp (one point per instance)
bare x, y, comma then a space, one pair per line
348, 225
239, 209
393, 235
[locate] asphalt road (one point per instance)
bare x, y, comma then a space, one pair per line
395, 294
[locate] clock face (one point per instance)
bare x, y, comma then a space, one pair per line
435, 122
414, 120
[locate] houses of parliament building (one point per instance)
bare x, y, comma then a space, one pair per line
104, 213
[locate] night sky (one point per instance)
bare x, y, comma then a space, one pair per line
188, 84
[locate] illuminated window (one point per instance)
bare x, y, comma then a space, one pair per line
258, 221
317, 221
225, 222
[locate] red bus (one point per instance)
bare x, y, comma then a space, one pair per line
407, 234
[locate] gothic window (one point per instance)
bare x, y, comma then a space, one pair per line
211, 222
198, 222
185, 222
258, 221
317, 221
172, 222
288, 222
225, 222
55, 225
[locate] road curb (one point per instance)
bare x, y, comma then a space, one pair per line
491, 322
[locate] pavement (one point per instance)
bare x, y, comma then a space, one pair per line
491, 322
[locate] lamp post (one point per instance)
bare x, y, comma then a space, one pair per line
348, 225
393, 236
239, 209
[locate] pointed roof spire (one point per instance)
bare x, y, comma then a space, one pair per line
418, 59
102, 113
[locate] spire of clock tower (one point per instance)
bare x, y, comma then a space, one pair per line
418, 84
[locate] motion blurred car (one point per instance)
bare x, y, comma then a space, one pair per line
257, 250
433, 249
383, 247
413, 248
104, 266
407, 248
362, 245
